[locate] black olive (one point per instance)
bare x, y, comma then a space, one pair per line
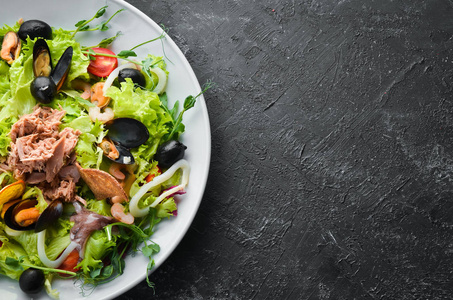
135, 75
169, 152
31, 281
43, 89
34, 29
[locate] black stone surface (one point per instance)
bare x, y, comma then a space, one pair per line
332, 149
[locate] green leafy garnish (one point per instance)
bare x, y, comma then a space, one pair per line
83, 25
176, 125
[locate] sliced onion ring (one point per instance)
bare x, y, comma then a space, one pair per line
162, 84
141, 212
42, 252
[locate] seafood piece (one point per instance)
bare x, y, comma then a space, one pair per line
95, 114
117, 211
136, 211
8, 205
123, 134
12, 191
124, 174
42, 61
48, 81
127, 132
116, 152
62, 68
10, 47
79, 84
85, 222
52, 212
109, 149
22, 215
97, 95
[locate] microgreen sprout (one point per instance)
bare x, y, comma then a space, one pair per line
177, 127
83, 25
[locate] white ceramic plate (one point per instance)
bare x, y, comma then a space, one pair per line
136, 28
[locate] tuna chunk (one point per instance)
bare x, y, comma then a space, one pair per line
39, 151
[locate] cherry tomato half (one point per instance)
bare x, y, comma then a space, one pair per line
102, 66
150, 177
70, 263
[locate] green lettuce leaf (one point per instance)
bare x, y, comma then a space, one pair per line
99, 206
166, 208
13, 250
96, 248
36, 193
88, 154
58, 237
28, 240
144, 106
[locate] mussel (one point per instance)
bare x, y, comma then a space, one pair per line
48, 80
123, 135
135, 75
11, 46
35, 29
52, 212
61, 71
22, 215
42, 61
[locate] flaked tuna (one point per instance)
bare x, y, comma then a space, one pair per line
42, 154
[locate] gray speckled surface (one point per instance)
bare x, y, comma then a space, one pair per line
331, 172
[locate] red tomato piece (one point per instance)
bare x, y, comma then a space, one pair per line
102, 66
151, 176
70, 263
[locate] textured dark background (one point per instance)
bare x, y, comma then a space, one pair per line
331, 171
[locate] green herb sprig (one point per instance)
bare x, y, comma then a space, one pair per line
129, 239
176, 124
83, 25
19, 264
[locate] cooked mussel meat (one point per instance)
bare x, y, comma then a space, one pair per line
135, 75
43, 89
10, 47
116, 152
109, 149
35, 29
22, 215
42, 61
52, 212
48, 81
123, 135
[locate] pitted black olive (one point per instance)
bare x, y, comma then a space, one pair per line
31, 281
43, 89
135, 75
34, 29
169, 152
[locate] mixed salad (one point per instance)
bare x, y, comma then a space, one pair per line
90, 154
